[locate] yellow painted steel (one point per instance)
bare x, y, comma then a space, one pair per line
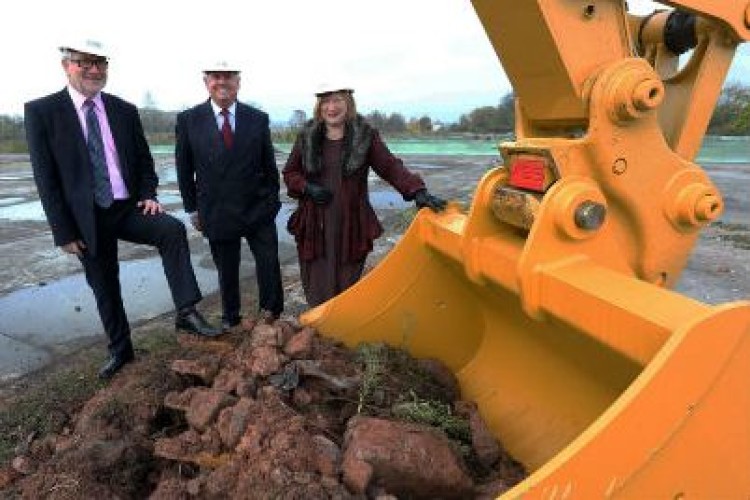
610, 394
554, 310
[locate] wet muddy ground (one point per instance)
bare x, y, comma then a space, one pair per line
34, 272
46, 309
147, 432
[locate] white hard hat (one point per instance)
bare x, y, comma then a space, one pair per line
221, 66
330, 86
86, 46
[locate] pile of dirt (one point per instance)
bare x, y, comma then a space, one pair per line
269, 411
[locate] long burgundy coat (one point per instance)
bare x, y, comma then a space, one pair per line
359, 223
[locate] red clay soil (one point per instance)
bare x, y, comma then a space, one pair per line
269, 411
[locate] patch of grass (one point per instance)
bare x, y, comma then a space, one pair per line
156, 341
373, 358
391, 376
434, 414
112, 410
119, 411
46, 408
394, 385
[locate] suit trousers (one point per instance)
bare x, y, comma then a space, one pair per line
124, 221
264, 244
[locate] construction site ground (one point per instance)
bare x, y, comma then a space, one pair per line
266, 412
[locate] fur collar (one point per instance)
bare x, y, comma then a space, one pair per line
357, 139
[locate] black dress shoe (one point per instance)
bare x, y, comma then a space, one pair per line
228, 326
192, 321
114, 364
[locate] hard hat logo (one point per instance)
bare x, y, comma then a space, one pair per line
221, 66
94, 44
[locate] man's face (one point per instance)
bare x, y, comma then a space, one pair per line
222, 87
86, 73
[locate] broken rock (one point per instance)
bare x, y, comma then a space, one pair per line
407, 460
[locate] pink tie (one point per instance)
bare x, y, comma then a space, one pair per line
226, 129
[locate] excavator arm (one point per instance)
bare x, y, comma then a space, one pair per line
551, 297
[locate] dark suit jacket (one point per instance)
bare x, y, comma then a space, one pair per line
233, 190
62, 167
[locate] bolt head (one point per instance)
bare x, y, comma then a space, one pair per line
590, 215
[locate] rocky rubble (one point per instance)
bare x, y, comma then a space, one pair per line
273, 411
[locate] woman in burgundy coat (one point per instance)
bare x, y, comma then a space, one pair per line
335, 225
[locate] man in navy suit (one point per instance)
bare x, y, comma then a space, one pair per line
97, 184
230, 185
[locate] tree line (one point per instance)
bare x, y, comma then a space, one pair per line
732, 113
731, 117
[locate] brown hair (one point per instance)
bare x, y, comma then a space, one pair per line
351, 106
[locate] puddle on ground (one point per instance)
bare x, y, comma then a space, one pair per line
388, 199
65, 309
16, 177
11, 201
25, 210
169, 198
17, 209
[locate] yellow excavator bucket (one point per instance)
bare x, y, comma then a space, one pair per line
551, 298
624, 387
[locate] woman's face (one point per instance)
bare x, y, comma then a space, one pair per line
333, 108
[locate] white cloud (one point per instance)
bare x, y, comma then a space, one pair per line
412, 56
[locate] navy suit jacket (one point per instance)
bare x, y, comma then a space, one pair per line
233, 190
62, 166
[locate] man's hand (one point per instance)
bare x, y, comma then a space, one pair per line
195, 220
150, 207
74, 247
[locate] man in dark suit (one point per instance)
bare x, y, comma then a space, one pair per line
230, 185
97, 183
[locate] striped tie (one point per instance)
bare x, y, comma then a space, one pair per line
102, 187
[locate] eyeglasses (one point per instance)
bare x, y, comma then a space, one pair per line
332, 99
87, 64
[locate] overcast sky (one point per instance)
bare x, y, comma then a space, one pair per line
411, 56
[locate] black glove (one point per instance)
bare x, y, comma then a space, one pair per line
318, 194
424, 199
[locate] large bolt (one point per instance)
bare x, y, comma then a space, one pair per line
578, 208
696, 204
630, 89
589, 215
648, 94
707, 208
